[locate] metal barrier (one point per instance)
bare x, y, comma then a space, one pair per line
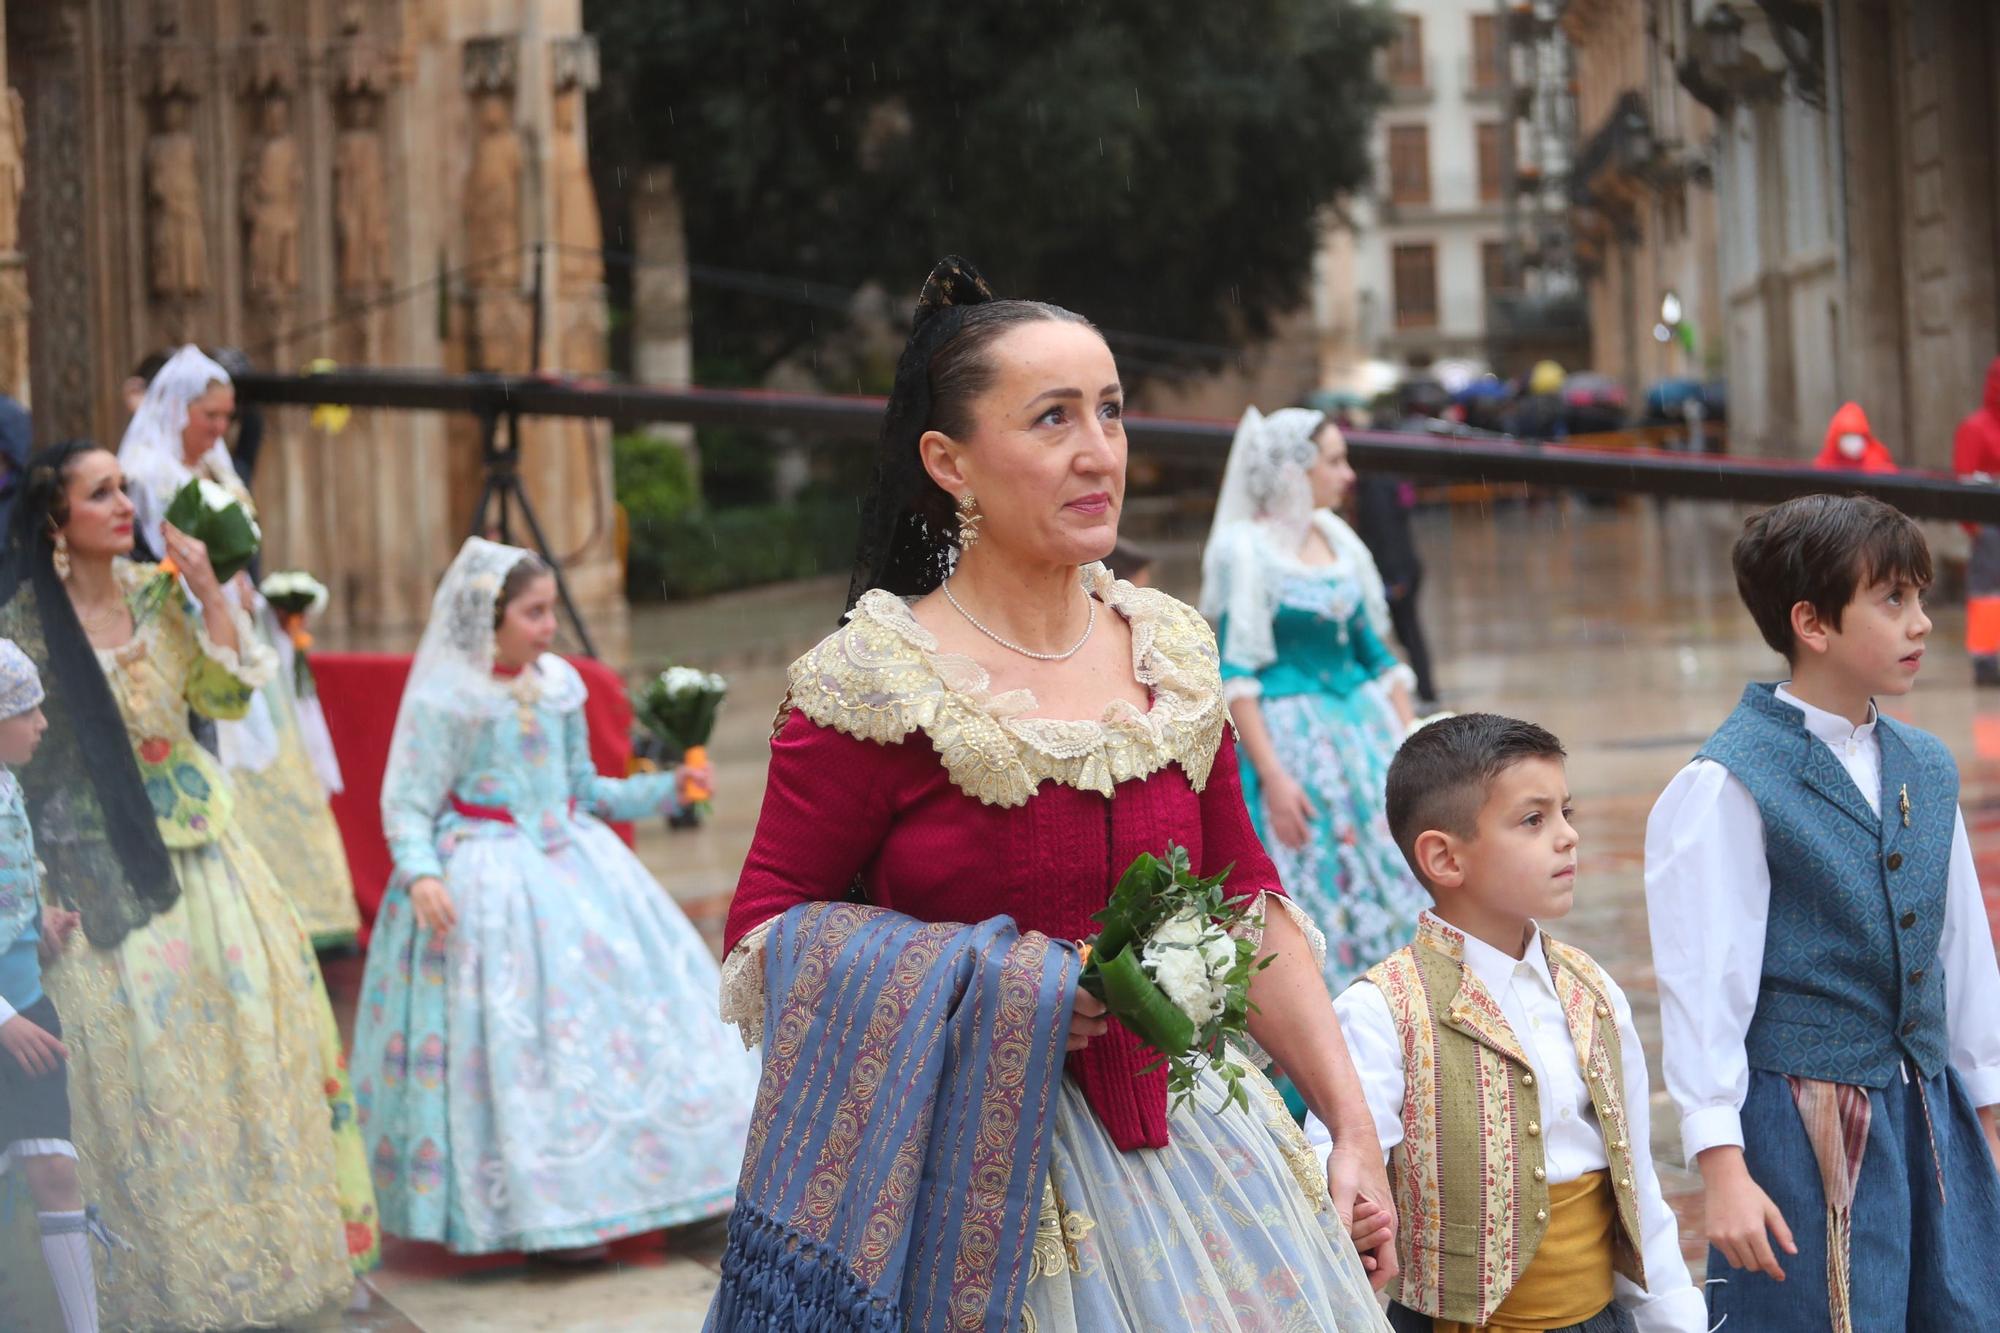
495, 399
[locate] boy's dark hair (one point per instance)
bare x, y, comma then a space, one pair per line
1439, 779
1823, 549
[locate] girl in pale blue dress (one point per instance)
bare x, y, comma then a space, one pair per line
539, 1058
1320, 701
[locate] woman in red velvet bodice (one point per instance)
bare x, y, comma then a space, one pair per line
838, 809
999, 730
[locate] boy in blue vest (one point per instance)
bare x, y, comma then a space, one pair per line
1828, 991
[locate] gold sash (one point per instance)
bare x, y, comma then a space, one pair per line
1569, 1279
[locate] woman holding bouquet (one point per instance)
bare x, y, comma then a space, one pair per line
279, 752
210, 1104
538, 1055
1319, 700
998, 731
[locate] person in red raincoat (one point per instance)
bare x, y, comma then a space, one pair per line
1975, 456
1851, 446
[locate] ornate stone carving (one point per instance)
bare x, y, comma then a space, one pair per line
13, 170
579, 227
362, 72
493, 196
170, 59
573, 62
361, 198
269, 66
492, 65
177, 251
274, 180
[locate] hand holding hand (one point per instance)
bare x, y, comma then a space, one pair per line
1087, 1020
32, 1047
1359, 1184
432, 903
1288, 809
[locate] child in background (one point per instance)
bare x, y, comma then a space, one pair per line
34, 1090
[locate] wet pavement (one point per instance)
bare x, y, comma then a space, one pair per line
1616, 628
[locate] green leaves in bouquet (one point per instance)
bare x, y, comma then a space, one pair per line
1150, 891
1141, 1005
680, 721
230, 534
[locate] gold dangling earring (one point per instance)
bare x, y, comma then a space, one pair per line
61, 557
968, 521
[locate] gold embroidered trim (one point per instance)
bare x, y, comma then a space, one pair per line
881, 677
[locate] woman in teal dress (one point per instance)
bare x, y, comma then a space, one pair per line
539, 1056
1320, 702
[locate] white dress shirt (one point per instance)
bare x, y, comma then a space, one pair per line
1572, 1141
1708, 897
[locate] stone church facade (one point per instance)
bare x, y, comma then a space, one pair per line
361, 181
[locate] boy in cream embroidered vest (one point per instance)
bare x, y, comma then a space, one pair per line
1828, 993
1502, 1068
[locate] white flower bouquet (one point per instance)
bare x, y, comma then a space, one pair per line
216, 518
678, 708
1170, 966
296, 595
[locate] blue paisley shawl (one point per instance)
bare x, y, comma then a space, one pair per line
901, 1137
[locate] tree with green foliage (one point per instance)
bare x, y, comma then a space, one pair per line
1164, 168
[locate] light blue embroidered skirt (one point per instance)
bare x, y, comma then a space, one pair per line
1349, 877
554, 1071
1215, 1232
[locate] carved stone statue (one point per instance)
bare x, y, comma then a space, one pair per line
579, 227
273, 184
13, 170
177, 250
493, 197
361, 198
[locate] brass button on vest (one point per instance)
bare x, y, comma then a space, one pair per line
1908, 1029
1535, 1126
1541, 1214
1895, 861
1541, 1174
1909, 919
1917, 976
1527, 1079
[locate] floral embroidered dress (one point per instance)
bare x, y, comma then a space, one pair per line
1334, 730
276, 750
552, 1071
897, 773
210, 1104
284, 807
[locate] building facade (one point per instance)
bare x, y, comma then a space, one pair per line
1409, 285
1644, 207
1861, 206
1814, 182
358, 180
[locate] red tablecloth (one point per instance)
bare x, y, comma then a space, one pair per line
360, 693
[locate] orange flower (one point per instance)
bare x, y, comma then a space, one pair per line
360, 1238
155, 749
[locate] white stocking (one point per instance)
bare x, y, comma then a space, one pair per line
66, 1250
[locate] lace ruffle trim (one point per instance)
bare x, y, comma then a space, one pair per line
881, 677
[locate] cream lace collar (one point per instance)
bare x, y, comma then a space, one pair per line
881, 677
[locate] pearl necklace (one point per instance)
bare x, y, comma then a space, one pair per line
1088, 625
